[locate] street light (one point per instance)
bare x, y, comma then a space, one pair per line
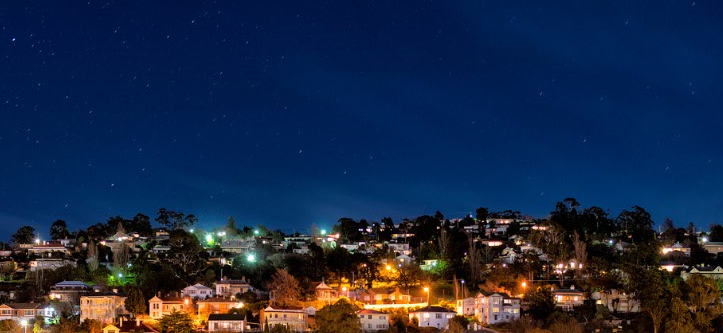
426, 290
343, 290
524, 289
24, 322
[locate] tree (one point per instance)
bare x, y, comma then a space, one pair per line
716, 233
679, 319
338, 317
59, 230
141, 224
231, 228
647, 286
458, 324
174, 220
580, 253
24, 235
636, 224
186, 256
92, 259
481, 214
177, 322
703, 299
135, 302
542, 303
284, 286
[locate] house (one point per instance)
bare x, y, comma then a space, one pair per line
677, 247
25, 311
429, 264
129, 326
50, 249
161, 306
197, 291
325, 293
433, 316
568, 298
618, 301
465, 306
50, 263
238, 245
713, 247
103, 307
294, 318
69, 291
715, 273
232, 287
225, 323
384, 296
217, 305
372, 321
400, 248
494, 308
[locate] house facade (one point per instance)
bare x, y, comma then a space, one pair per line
161, 306
216, 305
715, 273
25, 311
294, 318
619, 301
225, 323
433, 316
568, 298
373, 321
465, 306
104, 307
232, 287
197, 291
496, 308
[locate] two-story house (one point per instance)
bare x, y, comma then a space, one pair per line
217, 305
293, 318
197, 291
433, 316
161, 306
103, 307
568, 298
619, 301
25, 311
227, 287
373, 321
494, 308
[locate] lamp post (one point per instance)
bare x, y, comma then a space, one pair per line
426, 289
24, 322
524, 289
343, 290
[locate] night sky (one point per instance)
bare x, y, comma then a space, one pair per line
288, 113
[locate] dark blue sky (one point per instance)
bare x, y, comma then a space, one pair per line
287, 113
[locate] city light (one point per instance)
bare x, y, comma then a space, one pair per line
251, 258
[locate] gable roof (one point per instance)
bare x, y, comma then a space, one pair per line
432, 308
225, 317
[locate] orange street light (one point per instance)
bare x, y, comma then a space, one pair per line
426, 290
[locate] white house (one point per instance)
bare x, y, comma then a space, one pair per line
161, 306
232, 287
104, 307
225, 323
25, 311
198, 291
677, 247
715, 273
618, 301
294, 318
433, 316
568, 298
496, 308
465, 306
372, 321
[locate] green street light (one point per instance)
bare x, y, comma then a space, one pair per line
250, 258
323, 232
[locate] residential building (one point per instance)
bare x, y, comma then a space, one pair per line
216, 305
50, 263
104, 307
294, 318
161, 306
713, 247
197, 291
384, 296
129, 326
715, 273
677, 247
433, 316
226, 323
494, 308
372, 320
232, 287
465, 306
325, 293
568, 298
25, 311
69, 291
618, 301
